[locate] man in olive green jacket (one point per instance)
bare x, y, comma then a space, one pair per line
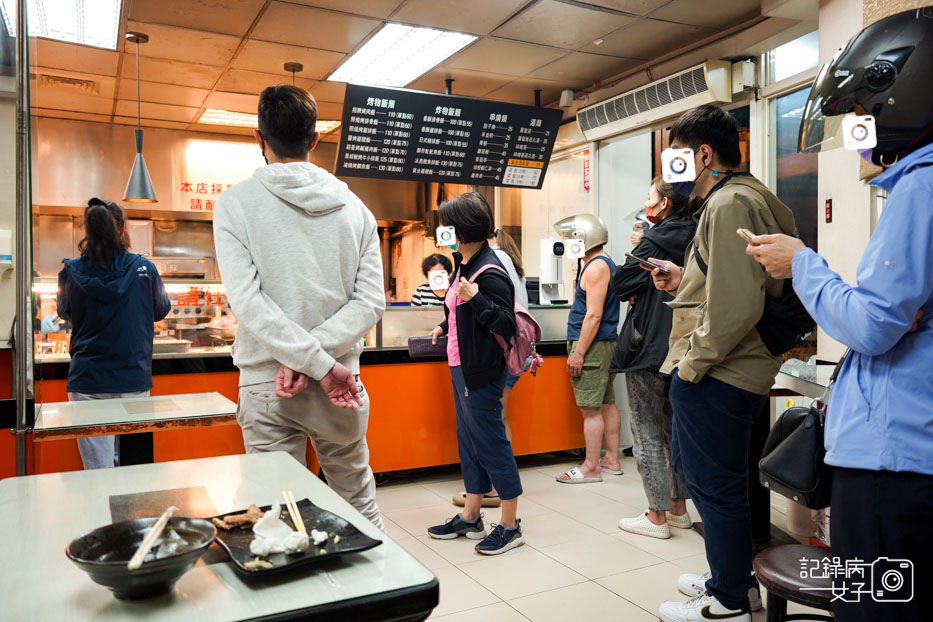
718, 304
722, 370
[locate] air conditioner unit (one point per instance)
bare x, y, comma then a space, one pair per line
709, 83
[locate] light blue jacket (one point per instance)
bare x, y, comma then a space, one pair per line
880, 413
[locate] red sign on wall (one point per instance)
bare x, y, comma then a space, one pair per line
586, 170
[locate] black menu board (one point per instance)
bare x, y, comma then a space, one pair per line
414, 135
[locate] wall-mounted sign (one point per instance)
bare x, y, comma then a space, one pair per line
586, 170
403, 134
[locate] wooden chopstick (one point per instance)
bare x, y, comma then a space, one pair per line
151, 536
301, 522
293, 511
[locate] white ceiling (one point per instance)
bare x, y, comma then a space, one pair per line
204, 53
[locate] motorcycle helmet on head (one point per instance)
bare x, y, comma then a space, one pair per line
882, 71
586, 227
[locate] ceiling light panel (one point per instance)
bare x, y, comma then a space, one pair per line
94, 22
398, 54
214, 116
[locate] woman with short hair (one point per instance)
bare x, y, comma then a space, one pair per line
427, 295
479, 304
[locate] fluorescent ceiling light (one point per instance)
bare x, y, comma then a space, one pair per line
326, 127
398, 54
89, 22
214, 116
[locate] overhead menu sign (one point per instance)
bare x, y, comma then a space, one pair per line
413, 135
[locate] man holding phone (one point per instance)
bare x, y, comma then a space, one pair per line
722, 370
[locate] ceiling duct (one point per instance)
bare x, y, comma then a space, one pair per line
709, 83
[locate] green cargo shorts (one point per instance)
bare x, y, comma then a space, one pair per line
594, 386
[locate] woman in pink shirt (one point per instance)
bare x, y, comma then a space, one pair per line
479, 303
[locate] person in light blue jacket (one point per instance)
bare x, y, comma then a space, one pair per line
879, 422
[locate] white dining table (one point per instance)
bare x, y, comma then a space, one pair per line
61, 420
43, 513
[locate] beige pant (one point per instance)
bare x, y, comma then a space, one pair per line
338, 436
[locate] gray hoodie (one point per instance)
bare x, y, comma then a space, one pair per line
299, 257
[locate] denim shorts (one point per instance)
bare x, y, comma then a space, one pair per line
510, 380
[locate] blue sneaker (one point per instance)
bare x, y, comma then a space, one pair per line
459, 526
501, 539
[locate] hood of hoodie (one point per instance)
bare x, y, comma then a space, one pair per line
109, 284
304, 186
671, 235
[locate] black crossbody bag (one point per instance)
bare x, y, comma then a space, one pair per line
792, 462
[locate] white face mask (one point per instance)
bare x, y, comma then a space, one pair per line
438, 279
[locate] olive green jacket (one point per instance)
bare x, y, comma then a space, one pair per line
715, 314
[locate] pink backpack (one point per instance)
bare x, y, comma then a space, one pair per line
520, 353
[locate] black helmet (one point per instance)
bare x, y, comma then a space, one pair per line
883, 71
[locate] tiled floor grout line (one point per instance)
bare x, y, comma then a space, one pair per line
654, 613
510, 606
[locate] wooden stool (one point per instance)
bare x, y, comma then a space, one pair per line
778, 570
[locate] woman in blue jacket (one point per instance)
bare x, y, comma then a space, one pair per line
113, 298
879, 424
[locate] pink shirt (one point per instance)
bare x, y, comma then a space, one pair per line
453, 347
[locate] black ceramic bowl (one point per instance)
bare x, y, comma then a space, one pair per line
104, 553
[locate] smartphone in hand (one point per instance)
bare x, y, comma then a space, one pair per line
648, 264
746, 235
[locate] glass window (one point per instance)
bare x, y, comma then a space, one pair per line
662, 139
793, 57
794, 178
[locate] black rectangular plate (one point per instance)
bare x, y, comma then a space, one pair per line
236, 541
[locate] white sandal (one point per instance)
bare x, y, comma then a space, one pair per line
642, 526
575, 476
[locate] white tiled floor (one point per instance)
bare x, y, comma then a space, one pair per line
576, 563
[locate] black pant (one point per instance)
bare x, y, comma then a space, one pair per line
709, 450
877, 515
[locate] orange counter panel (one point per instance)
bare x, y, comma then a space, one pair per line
412, 423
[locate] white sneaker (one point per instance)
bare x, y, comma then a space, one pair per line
694, 585
644, 527
681, 522
705, 607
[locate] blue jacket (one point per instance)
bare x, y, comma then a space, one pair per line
880, 413
112, 313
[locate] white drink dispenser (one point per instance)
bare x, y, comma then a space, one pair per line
551, 279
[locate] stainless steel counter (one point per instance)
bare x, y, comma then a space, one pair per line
812, 383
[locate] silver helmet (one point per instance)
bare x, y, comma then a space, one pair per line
586, 227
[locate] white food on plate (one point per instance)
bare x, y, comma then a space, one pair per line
273, 535
318, 537
296, 542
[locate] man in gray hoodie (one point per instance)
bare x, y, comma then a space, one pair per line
299, 257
